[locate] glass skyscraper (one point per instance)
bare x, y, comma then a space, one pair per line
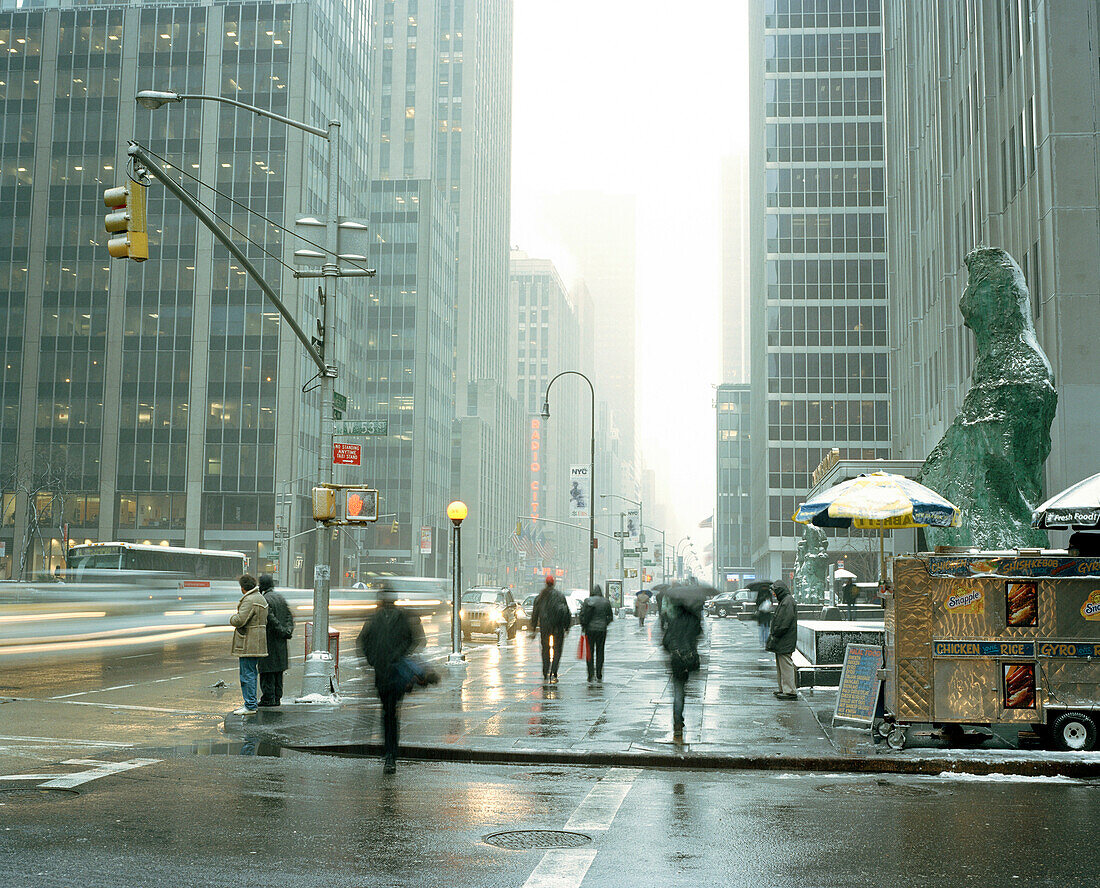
732, 528
818, 250
164, 401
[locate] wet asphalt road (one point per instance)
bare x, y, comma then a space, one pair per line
231, 820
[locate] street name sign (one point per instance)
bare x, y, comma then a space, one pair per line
361, 428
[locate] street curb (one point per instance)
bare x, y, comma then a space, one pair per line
1082, 770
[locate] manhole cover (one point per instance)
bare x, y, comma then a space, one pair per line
37, 792
529, 839
878, 788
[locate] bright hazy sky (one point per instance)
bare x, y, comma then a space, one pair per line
643, 98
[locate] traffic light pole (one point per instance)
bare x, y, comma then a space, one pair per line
319, 675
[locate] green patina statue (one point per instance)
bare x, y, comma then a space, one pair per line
811, 563
990, 462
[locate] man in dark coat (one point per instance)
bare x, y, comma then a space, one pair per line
781, 641
550, 616
681, 640
595, 616
849, 594
280, 627
387, 640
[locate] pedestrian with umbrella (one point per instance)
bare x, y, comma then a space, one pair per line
782, 640
641, 605
681, 642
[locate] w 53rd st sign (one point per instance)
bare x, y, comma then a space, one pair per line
361, 428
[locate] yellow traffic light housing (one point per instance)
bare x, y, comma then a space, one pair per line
127, 221
324, 504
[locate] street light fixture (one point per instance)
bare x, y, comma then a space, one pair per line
320, 673
457, 512
591, 470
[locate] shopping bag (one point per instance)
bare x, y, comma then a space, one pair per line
582, 647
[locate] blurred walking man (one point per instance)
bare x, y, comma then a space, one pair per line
550, 615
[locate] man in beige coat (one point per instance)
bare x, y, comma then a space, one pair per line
249, 639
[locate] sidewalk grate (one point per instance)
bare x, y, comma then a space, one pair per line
531, 839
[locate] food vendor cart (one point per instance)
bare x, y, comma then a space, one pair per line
983, 639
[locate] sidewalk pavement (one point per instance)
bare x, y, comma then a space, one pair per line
496, 709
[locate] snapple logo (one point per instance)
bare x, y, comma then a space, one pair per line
968, 602
1090, 610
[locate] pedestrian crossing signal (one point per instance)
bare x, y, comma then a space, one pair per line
360, 505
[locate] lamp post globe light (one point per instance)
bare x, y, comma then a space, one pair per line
319, 679
591, 469
457, 512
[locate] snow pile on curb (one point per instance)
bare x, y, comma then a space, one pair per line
1007, 778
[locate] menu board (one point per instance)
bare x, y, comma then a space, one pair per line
859, 684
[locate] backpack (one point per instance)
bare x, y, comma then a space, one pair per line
558, 614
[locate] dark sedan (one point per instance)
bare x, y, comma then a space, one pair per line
726, 604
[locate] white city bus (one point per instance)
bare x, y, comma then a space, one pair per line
118, 562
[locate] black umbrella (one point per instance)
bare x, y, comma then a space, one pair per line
690, 595
760, 586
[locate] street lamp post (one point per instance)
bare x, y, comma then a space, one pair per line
457, 512
591, 470
320, 677
677, 554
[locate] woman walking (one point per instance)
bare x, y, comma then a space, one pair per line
249, 639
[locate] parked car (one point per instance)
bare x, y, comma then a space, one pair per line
523, 621
726, 604
487, 609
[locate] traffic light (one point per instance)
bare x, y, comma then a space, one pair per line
127, 221
324, 504
360, 505
393, 529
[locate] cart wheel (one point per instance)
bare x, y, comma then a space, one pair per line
884, 728
896, 738
1074, 731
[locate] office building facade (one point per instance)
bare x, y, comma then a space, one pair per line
442, 112
733, 510
164, 400
408, 376
819, 363
598, 231
992, 112
548, 341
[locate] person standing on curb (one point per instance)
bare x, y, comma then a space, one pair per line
249, 639
550, 616
595, 616
849, 595
782, 639
280, 627
681, 640
387, 640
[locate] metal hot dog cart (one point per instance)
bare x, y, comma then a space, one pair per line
1001, 638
